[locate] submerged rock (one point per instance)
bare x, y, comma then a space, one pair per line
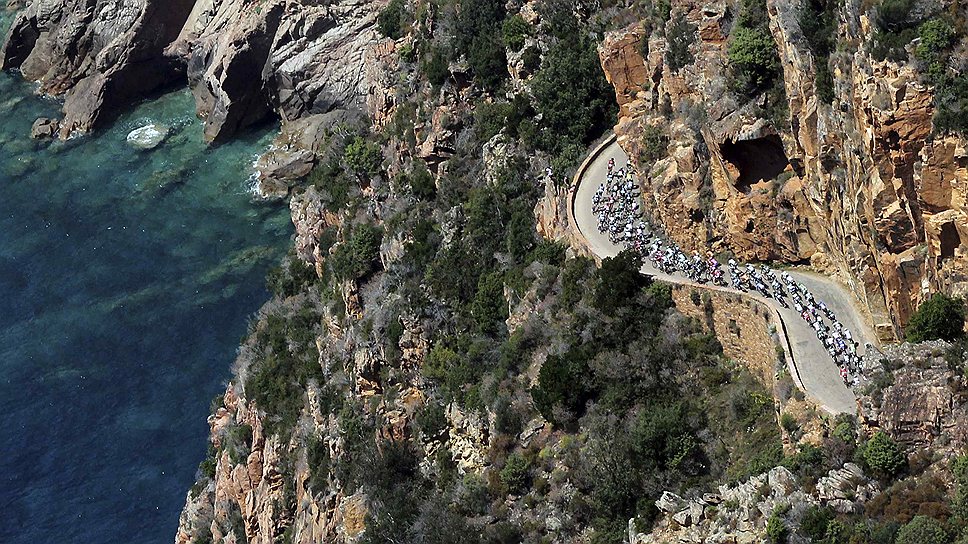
148, 136
44, 127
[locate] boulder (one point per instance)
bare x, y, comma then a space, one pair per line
296, 150
669, 502
44, 127
148, 136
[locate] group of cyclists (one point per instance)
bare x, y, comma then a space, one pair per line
617, 205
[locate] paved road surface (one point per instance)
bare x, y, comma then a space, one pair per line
817, 372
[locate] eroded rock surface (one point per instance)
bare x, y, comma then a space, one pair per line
919, 400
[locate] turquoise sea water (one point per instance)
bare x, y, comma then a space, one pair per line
126, 280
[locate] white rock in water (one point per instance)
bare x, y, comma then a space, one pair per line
148, 137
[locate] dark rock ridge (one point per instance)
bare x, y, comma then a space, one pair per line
244, 61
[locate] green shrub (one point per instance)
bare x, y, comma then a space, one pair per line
520, 234
883, 455
488, 61
209, 464
776, 530
813, 524
292, 278
423, 246
807, 462
515, 32
891, 45
422, 182
575, 101
358, 256
439, 361
338, 188
531, 58
959, 503
819, 25
363, 157
506, 419
753, 59
655, 145
935, 37
845, 428
893, 15
390, 20
409, 52
680, 36
436, 67
432, 420
489, 307
562, 384
951, 103
489, 119
662, 434
939, 318
922, 530
204, 535
478, 36
619, 281
277, 382
753, 14
660, 294
516, 474
317, 458
789, 423
837, 532
894, 30
238, 442
546, 251
393, 334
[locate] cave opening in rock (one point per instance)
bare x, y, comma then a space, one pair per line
759, 159
950, 240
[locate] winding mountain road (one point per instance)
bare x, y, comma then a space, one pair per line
811, 366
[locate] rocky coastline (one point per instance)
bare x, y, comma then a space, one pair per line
862, 188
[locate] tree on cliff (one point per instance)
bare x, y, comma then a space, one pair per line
478, 35
883, 455
391, 20
752, 54
575, 101
619, 281
939, 318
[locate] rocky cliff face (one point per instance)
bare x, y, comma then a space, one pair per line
244, 61
99, 55
293, 58
863, 187
917, 394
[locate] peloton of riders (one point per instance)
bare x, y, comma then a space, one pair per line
617, 205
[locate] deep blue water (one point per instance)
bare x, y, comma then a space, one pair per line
126, 280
